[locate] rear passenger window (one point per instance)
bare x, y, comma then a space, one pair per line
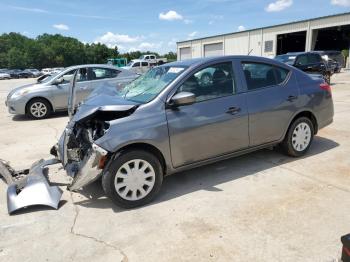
260, 75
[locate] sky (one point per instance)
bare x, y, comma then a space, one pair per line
154, 25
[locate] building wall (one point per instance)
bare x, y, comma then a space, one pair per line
242, 42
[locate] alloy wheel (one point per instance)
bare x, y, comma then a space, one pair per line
38, 109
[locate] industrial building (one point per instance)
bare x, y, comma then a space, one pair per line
323, 33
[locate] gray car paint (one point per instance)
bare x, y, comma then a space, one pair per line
57, 95
201, 133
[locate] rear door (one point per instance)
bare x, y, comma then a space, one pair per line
272, 97
216, 124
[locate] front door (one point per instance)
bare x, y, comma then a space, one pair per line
60, 92
216, 124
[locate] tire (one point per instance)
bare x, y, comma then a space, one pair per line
327, 78
116, 176
38, 108
297, 141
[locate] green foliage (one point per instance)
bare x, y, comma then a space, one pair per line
345, 53
18, 51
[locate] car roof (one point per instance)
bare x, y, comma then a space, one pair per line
198, 61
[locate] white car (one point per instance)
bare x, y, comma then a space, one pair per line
5, 76
137, 66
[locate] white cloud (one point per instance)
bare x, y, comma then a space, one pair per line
192, 35
188, 21
170, 16
279, 5
111, 40
241, 28
62, 27
341, 2
172, 42
34, 10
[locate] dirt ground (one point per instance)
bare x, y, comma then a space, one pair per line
263, 206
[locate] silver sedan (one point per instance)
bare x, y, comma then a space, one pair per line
50, 94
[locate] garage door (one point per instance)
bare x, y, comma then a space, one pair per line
185, 53
213, 50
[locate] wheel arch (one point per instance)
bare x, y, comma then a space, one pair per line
146, 147
38, 97
305, 113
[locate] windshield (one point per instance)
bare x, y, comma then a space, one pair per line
287, 59
48, 78
149, 85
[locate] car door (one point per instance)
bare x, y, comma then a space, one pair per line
272, 99
216, 124
101, 77
60, 91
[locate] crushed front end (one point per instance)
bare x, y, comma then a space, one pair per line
82, 159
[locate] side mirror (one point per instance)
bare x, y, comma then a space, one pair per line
58, 81
182, 99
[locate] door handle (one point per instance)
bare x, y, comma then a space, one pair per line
292, 98
233, 110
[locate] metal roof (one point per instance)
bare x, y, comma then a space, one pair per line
266, 27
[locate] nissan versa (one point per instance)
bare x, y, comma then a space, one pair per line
173, 118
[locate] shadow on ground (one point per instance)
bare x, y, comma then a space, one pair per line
209, 176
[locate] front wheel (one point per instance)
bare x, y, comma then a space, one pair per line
38, 108
133, 178
299, 137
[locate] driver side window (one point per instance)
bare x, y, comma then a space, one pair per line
211, 82
82, 75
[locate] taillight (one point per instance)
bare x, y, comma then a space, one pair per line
326, 87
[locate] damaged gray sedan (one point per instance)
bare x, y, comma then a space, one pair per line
173, 118
170, 120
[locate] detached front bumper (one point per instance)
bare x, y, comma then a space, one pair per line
34, 189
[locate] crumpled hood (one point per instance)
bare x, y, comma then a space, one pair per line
105, 100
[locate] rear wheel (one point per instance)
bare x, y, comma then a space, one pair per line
133, 178
299, 137
38, 108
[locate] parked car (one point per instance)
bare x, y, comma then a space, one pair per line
33, 72
40, 99
153, 60
46, 71
335, 56
309, 62
4, 74
168, 121
18, 73
137, 66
